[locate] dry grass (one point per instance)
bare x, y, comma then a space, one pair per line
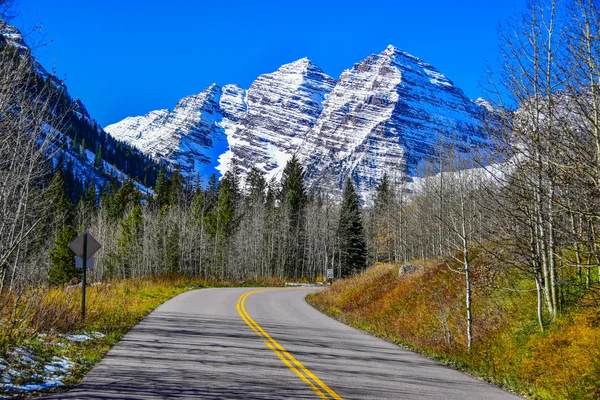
426, 312
37, 319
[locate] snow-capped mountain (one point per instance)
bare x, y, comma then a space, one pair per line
195, 138
282, 107
13, 37
388, 113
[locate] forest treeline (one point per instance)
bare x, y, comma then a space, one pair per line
219, 228
527, 214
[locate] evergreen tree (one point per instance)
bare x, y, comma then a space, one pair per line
220, 218
256, 185
127, 196
226, 205
75, 144
162, 190
177, 191
82, 149
108, 193
294, 199
212, 190
98, 158
353, 251
63, 209
293, 192
90, 198
62, 259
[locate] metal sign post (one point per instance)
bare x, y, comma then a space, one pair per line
84, 246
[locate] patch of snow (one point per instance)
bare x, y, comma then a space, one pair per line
437, 78
54, 372
84, 337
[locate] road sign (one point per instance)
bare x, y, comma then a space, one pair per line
88, 265
77, 245
330, 273
84, 246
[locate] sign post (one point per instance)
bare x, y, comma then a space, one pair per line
84, 246
83, 281
330, 275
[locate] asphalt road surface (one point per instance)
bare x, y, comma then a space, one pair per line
264, 344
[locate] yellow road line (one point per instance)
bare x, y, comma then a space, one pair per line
303, 372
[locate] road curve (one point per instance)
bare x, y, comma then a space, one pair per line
268, 344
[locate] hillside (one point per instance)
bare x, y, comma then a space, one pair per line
425, 312
77, 140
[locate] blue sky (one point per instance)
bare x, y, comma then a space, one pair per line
127, 57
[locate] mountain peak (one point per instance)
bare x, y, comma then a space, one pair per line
302, 66
377, 117
392, 50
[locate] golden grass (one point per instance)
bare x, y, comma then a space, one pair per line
426, 312
37, 319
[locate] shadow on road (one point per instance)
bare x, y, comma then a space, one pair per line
185, 355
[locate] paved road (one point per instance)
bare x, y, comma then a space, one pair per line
220, 344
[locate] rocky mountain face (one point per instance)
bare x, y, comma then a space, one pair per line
282, 107
387, 114
194, 138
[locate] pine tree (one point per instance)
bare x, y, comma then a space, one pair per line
352, 247
98, 158
226, 205
293, 192
177, 191
212, 191
90, 199
107, 194
63, 209
256, 185
127, 196
62, 259
294, 199
82, 149
220, 218
162, 190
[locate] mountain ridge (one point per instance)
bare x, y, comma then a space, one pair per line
385, 114
79, 136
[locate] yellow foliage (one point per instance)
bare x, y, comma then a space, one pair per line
427, 312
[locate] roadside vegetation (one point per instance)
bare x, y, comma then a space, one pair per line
424, 312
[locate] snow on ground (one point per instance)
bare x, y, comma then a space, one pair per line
22, 374
23, 371
84, 337
297, 284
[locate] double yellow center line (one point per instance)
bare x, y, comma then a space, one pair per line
303, 373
